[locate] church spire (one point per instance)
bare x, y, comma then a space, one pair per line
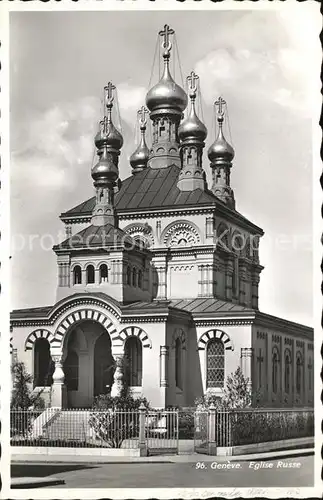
166, 102
105, 173
221, 155
192, 134
139, 159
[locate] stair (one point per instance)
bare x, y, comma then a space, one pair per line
68, 426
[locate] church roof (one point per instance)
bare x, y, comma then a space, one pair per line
156, 188
211, 305
97, 236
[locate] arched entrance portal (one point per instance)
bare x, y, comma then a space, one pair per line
88, 363
103, 365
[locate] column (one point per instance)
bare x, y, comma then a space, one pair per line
246, 364
200, 282
212, 430
59, 395
164, 353
158, 231
243, 278
255, 279
209, 227
118, 375
161, 293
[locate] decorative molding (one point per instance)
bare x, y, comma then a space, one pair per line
143, 230
177, 231
38, 334
215, 334
81, 315
134, 331
144, 319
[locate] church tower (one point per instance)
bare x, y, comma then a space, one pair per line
166, 102
192, 133
221, 154
105, 173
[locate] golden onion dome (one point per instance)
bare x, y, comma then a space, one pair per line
108, 136
192, 127
139, 159
166, 94
105, 171
220, 149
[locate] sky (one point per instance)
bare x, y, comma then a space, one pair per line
262, 62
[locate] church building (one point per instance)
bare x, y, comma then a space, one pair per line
158, 275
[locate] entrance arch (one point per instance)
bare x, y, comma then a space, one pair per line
103, 365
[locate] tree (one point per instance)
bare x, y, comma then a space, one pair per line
22, 397
236, 394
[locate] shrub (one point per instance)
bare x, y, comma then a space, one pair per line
116, 418
186, 425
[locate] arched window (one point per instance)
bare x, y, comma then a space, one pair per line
43, 364
287, 375
310, 373
215, 364
103, 273
77, 275
275, 363
134, 277
133, 359
178, 363
71, 370
128, 276
90, 274
140, 279
299, 372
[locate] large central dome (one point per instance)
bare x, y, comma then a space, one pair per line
166, 94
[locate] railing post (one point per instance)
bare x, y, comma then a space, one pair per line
212, 430
142, 433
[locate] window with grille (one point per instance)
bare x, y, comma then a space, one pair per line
133, 365
134, 277
103, 273
215, 364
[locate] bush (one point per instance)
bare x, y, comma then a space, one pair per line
258, 427
116, 418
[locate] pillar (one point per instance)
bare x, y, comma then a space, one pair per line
228, 279
142, 434
59, 394
212, 430
246, 364
118, 375
163, 381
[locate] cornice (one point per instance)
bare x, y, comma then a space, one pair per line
223, 322
264, 320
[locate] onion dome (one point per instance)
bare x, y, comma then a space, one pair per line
192, 127
105, 171
166, 94
220, 150
108, 135
139, 159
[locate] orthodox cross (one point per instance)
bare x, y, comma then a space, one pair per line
219, 103
142, 116
260, 359
165, 33
192, 79
108, 89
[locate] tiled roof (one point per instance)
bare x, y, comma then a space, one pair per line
151, 188
32, 312
208, 306
94, 236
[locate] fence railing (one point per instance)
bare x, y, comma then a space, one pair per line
95, 428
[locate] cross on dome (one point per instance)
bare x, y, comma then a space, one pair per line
219, 103
167, 45
192, 80
143, 111
109, 92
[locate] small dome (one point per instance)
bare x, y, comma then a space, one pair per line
166, 94
108, 136
220, 149
139, 159
192, 127
105, 171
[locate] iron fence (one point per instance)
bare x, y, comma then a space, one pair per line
157, 430
161, 431
241, 427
